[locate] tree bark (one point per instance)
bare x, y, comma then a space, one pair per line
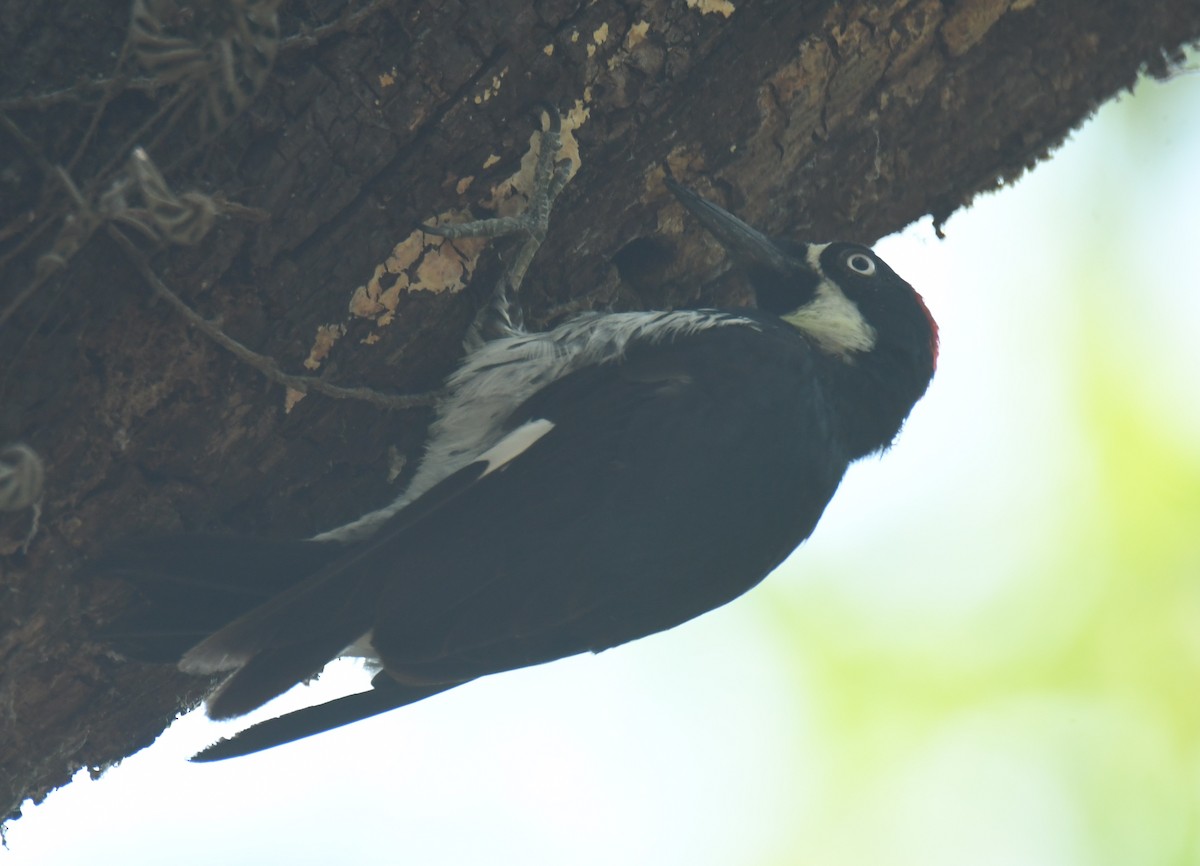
809, 119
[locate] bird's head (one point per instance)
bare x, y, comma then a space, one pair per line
841, 296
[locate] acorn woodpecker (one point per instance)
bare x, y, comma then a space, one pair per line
598, 482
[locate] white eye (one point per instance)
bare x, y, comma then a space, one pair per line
861, 263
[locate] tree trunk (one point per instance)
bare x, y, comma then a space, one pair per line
812, 119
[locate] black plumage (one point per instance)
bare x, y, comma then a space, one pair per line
606, 480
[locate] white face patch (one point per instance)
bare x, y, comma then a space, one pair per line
814, 257
514, 444
831, 320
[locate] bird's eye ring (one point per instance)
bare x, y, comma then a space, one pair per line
861, 263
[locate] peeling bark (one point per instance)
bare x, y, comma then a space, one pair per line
813, 119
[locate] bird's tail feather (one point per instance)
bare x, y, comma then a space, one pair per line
197, 584
271, 672
385, 695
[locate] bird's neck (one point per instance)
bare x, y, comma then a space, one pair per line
870, 395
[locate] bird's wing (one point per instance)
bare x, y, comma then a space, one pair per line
671, 481
292, 635
627, 497
276, 609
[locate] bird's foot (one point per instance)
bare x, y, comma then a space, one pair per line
502, 315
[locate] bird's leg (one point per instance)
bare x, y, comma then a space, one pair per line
502, 315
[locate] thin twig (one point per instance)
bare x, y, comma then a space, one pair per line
84, 88
24, 295
104, 175
81, 90
23, 244
262, 363
27, 144
347, 21
48, 171
106, 96
71, 238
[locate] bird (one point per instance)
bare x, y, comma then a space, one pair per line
603, 480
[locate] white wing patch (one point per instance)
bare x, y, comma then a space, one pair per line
502, 374
204, 659
363, 648
514, 445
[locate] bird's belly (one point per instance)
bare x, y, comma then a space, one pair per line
600, 576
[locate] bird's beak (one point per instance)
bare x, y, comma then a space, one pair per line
746, 244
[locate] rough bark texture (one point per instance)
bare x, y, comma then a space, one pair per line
809, 118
